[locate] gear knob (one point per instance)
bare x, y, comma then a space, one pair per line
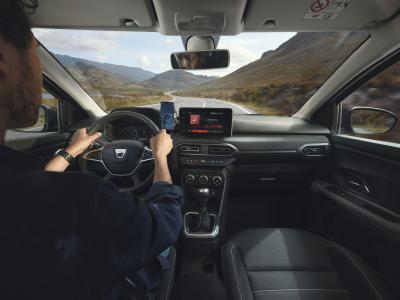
204, 195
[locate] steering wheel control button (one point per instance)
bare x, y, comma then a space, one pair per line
217, 180
190, 179
203, 179
121, 158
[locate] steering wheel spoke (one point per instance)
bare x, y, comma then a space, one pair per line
94, 155
147, 155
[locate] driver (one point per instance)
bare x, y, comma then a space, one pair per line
68, 235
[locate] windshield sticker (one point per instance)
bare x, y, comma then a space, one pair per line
325, 9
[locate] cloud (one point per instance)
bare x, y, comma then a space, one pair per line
169, 41
102, 58
151, 51
145, 61
77, 40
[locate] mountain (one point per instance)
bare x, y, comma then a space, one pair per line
175, 80
128, 73
94, 77
113, 91
282, 80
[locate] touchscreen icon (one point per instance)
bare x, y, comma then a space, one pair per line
194, 119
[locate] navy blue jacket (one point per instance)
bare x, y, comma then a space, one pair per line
73, 236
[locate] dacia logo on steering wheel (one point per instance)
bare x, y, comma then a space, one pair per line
120, 153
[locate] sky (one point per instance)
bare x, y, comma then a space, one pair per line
151, 50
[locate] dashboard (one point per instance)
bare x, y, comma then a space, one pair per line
126, 131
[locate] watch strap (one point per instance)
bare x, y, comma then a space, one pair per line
67, 156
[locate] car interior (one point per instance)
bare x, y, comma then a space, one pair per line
303, 205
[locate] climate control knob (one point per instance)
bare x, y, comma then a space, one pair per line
189, 178
203, 179
217, 180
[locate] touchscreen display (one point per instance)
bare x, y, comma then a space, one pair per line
206, 121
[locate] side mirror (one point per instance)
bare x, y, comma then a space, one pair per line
51, 119
47, 121
369, 120
197, 60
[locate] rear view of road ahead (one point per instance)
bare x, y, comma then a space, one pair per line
205, 103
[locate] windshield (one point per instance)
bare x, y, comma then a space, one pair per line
269, 73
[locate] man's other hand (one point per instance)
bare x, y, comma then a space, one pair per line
81, 141
161, 144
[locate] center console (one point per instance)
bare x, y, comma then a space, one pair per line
204, 169
204, 194
204, 177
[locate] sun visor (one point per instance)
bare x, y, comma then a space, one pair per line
93, 14
317, 15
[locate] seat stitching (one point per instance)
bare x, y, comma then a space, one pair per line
360, 271
170, 276
300, 290
236, 272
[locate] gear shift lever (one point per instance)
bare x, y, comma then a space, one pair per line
204, 223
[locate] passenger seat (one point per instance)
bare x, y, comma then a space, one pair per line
291, 264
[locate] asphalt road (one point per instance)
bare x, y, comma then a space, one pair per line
205, 102
178, 101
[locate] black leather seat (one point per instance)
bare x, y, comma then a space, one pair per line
293, 264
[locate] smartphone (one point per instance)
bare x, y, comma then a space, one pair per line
167, 113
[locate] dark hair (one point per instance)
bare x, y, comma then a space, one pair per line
14, 23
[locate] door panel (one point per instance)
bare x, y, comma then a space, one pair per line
357, 195
43, 146
378, 165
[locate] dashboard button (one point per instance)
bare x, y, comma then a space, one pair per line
217, 180
189, 178
203, 179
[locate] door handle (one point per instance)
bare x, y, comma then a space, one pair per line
358, 184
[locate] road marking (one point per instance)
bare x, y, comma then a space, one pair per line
235, 105
204, 103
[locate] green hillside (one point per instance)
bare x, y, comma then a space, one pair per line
281, 81
112, 91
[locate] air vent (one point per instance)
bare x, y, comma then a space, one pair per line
220, 150
314, 150
189, 149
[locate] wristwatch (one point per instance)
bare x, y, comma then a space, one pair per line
68, 157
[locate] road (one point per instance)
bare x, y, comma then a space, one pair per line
178, 101
204, 102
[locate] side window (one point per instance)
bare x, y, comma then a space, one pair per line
47, 121
373, 110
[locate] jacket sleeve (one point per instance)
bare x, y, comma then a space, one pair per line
134, 233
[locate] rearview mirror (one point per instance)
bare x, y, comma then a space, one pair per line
197, 60
369, 120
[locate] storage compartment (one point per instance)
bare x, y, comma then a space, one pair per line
267, 176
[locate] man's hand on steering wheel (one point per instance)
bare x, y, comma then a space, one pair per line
80, 141
161, 144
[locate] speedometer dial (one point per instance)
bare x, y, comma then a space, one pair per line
128, 133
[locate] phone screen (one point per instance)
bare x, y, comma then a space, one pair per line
167, 111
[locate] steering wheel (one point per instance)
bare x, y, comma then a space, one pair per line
127, 163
